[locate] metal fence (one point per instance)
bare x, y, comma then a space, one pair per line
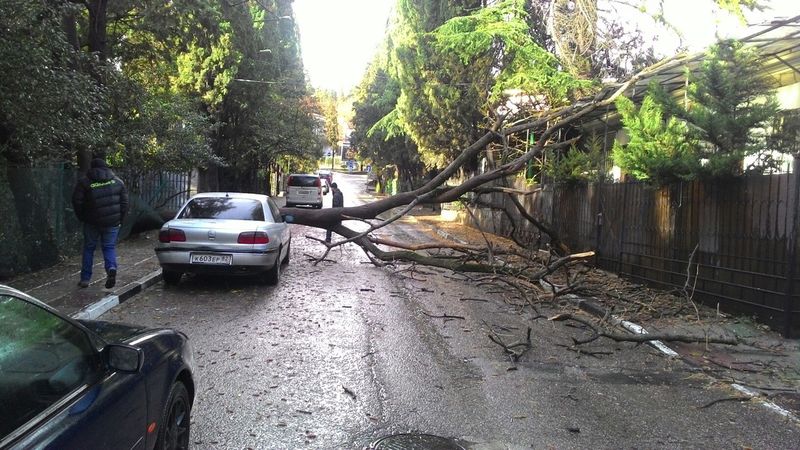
738, 240
39, 226
167, 190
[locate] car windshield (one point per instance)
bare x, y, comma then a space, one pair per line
42, 359
303, 180
223, 208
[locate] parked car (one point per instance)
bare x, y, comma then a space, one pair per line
326, 175
226, 233
304, 189
86, 384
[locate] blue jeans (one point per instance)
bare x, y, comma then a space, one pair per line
108, 241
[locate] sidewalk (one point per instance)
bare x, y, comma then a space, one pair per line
58, 285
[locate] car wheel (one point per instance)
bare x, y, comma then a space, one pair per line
171, 278
272, 275
288, 250
289, 205
318, 206
174, 431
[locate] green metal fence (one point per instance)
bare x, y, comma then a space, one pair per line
39, 227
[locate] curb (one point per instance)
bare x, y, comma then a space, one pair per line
108, 302
633, 328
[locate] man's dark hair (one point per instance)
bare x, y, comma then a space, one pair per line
334, 185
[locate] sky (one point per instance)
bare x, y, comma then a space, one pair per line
340, 37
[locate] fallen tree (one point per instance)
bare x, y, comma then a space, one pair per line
519, 269
545, 124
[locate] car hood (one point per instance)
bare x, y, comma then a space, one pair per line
114, 332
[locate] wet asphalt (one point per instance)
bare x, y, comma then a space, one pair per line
342, 353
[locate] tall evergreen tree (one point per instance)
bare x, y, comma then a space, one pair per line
729, 105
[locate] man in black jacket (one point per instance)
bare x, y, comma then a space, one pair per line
100, 201
338, 202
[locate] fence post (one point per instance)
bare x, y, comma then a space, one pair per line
791, 242
626, 185
598, 217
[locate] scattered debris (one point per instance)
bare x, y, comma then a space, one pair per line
737, 398
510, 349
350, 393
444, 316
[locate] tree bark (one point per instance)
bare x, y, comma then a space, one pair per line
98, 33
37, 231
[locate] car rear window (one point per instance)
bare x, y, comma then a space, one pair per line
223, 208
303, 180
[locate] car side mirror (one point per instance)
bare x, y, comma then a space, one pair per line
124, 358
288, 218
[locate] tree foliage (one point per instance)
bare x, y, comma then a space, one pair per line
329, 108
660, 150
729, 105
577, 165
375, 99
48, 105
153, 84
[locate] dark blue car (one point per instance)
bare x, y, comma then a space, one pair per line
68, 384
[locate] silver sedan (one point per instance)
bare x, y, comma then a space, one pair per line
225, 233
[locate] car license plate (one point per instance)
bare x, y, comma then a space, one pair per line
211, 258
305, 192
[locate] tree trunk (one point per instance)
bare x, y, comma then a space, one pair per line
98, 21
41, 248
70, 30
69, 25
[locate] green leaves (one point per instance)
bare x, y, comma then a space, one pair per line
659, 151
714, 133
501, 31
48, 106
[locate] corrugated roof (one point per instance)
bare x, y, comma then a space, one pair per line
779, 46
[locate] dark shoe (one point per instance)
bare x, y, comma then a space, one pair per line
83, 284
111, 281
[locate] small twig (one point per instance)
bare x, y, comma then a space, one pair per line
466, 299
737, 398
581, 351
444, 316
597, 333
687, 292
350, 393
509, 348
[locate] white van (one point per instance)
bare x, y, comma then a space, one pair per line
304, 189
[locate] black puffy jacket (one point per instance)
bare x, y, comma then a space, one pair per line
338, 199
100, 198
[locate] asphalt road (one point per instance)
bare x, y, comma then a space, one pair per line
343, 353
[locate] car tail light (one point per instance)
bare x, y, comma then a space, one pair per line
171, 235
318, 182
289, 181
253, 237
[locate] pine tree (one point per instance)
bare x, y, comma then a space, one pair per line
729, 106
659, 151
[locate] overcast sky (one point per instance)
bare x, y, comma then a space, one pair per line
340, 37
